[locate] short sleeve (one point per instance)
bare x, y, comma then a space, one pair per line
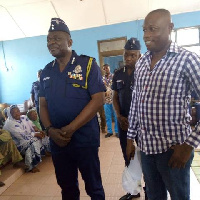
95, 82
41, 91
32, 90
114, 82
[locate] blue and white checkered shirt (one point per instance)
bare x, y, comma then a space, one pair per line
159, 111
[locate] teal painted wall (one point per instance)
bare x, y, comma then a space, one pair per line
24, 57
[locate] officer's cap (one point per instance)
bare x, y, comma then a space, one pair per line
58, 24
132, 44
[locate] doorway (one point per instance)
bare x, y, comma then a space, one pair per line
111, 52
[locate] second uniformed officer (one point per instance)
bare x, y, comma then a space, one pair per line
71, 93
122, 85
35, 91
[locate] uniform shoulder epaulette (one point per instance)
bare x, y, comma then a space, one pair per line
82, 55
119, 70
49, 65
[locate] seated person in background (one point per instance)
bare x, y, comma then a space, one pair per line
8, 151
4, 113
33, 116
28, 142
2, 119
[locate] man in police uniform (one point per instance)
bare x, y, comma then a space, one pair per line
35, 91
122, 85
72, 91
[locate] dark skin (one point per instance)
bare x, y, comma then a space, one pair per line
59, 44
15, 112
157, 29
32, 115
130, 58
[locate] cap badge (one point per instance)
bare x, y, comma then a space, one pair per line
57, 22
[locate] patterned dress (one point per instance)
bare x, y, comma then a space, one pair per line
29, 146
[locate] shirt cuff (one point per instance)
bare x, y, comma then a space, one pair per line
131, 134
193, 139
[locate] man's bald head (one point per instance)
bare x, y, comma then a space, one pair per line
165, 14
157, 29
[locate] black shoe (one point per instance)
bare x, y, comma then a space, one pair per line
125, 196
129, 196
117, 135
108, 135
2, 184
133, 196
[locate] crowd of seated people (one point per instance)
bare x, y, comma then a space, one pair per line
33, 116
22, 140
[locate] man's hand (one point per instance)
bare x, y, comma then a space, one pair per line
180, 156
67, 131
123, 121
57, 136
130, 150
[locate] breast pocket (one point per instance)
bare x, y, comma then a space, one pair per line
120, 84
47, 88
76, 89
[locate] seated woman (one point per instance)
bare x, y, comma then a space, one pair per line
33, 116
8, 151
26, 139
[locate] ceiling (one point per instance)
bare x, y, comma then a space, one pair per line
28, 18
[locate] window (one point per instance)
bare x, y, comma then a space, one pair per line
188, 38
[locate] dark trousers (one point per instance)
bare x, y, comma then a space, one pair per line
123, 142
68, 161
103, 118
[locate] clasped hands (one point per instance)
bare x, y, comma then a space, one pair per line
62, 136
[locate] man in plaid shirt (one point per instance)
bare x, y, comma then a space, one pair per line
164, 79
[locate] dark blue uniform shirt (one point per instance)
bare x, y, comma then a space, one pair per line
123, 84
35, 91
68, 92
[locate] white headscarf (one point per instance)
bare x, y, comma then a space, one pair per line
9, 109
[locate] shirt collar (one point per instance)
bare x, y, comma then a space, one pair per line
72, 61
173, 48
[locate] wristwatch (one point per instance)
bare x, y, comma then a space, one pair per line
47, 129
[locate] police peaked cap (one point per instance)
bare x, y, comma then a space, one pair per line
132, 44
58, 24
